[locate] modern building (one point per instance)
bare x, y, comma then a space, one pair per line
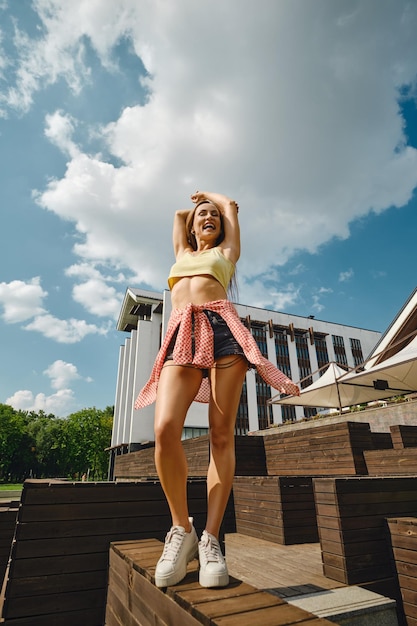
299, 346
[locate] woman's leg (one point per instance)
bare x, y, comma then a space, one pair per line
177, 388
226, 387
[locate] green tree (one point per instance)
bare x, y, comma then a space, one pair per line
14, 444
48, 438
88, 435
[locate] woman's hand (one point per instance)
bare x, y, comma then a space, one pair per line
218, 198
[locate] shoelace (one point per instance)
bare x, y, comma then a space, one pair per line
211, 549
173, 542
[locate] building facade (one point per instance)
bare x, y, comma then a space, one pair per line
300, 347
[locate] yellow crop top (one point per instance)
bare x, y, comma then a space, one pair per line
211, 262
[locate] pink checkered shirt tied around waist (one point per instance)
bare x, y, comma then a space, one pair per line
192, 320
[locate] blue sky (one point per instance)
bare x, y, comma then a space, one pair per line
113, 113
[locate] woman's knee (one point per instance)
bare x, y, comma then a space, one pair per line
221, 439
166, 433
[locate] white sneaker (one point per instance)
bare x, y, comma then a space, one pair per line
180, 548
213, 568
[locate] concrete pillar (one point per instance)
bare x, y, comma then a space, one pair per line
115, 439
129, 387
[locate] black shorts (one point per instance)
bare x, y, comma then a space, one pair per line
224, 342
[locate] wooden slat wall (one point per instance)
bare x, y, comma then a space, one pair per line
133, 600
404, 436
250, 459
8, 514
250, 456
330, 450
382, 441
276, 508
391, 462
351, 518
404, 544
141, 464
59, 561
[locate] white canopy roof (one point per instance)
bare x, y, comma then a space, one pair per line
328, 392
396, 375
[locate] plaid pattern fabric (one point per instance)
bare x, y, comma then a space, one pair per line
192, 319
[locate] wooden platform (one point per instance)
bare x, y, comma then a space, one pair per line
133, 599
404, 544
285, 570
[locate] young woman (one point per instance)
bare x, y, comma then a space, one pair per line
205, 356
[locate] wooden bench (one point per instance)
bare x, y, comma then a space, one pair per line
276, 508
404, 544
404, 436
250, 459
133, 599
8, 514
59, 560
353, 531
330, 450
400, 461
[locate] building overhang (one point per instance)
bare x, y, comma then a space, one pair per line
138, 304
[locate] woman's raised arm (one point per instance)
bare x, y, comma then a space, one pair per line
179, 233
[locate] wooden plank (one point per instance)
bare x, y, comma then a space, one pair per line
273, 616
60, 583
85, 616
34, 606
408, 582
47, 566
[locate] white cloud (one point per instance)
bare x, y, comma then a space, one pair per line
346, 276
260, 293
59, 130
21, 300
94, 294
64, 331
59, 403
317, 305
61, 374
293, 110
62, 402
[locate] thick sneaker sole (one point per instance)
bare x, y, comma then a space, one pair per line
175, 577
213, 580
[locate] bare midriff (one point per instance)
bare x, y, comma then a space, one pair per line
196, 290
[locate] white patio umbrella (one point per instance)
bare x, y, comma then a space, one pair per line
324, 392
394, 376
330, 392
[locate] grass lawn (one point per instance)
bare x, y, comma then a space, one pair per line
10, 486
